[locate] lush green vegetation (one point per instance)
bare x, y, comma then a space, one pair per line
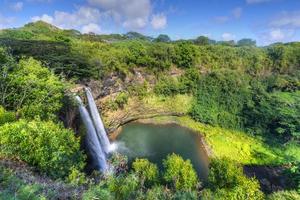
244, 99
228, 182
30, 89
14, 188
49, 146
33, 93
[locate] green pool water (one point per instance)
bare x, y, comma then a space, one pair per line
155, 142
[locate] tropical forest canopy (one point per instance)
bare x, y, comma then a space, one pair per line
235, 86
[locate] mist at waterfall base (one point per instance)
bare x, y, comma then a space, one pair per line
97, 141
155, 142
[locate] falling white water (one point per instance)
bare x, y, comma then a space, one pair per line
98, 123
93, 143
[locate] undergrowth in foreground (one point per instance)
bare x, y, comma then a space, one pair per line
14, 188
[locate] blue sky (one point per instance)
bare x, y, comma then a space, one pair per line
266, 21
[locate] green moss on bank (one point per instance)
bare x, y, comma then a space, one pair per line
179, 103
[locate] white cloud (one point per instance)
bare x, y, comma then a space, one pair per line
227, 36
159, 21
237, 12
83, 16
282, 28
256, 1
132, 14
276, 35
287, 19
91, 28
44, 17
17, 6
135, 24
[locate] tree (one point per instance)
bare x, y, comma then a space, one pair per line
227, 181
220, 98
180, 173
185, 55
146, 171
6, 116
162, 38
223, 173
124, 187
278, 57
48, 146
246, 42
202, 40
31, 90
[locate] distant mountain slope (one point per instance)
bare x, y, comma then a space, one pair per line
41, 30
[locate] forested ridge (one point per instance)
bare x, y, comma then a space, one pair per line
236, 93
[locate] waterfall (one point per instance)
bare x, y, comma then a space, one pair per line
91, 137
98, 124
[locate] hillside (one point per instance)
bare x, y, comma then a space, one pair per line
243, 99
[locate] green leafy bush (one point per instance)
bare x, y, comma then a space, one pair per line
48, 146
76, 178
6, 116
119, 101
140, 90
146, 171
124, 187
223, 173
180, 173
277, 113
98, 192
32, 90
227, 181
189, 80
167, 86
220, 98
158, 193
185, 55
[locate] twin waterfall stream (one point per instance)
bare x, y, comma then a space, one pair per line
98, 143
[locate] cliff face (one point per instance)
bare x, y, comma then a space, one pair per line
106, 90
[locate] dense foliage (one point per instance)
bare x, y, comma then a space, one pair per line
227, 181
48, 146
32, 92
180, 173
146, 171
220, 98
145, 182
30, 89
6, 117
233, 87
14, 188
